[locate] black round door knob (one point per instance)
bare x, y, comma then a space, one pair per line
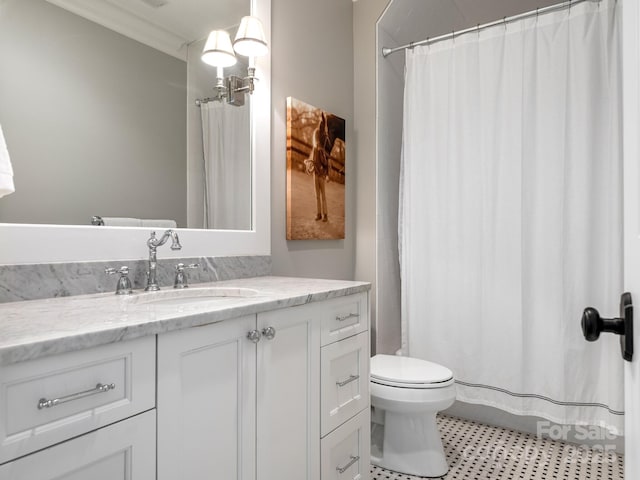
593, 324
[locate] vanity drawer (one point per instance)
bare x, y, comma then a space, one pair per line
345, 316
123, 451
70, 382
344, 381
345, 452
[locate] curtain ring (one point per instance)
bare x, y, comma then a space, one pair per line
504, 20
478, 30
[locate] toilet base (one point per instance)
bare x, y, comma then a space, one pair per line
412, 445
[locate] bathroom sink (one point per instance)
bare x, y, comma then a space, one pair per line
191, 296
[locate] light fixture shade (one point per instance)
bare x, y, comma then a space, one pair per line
218, 50
250, 40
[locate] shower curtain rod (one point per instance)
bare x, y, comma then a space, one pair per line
386, 51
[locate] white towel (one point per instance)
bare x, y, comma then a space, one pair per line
159, 223
137, 222
6, 171
121, 222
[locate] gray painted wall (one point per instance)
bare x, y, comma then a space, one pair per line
366, 13
95, 122
312, 60
389, 144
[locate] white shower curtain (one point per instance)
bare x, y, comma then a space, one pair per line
511, 213
227, 166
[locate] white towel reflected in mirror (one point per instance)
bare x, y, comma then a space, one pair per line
133, 222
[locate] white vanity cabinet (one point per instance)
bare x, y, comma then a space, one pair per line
233, 408
275, 395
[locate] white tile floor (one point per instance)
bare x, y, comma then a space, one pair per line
480, 452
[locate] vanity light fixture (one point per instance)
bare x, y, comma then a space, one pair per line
249, 42
218, 52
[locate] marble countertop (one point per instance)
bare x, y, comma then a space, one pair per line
38, 328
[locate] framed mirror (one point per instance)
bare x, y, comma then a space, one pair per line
117, 134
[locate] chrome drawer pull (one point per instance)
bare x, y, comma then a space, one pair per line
352, 378
346, 317
346, 467
99, 388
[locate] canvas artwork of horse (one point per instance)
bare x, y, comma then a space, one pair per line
315, 173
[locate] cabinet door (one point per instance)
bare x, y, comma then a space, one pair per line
122, 451
206, 402
289, 395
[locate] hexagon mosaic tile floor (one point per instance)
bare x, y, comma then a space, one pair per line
481, 452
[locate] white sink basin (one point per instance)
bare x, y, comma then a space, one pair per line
188, 296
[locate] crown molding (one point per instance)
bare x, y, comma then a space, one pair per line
128, 24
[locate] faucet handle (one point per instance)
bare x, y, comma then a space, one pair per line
124, 282
123, 270
181, 266
181, 276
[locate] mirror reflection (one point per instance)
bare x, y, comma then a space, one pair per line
101, 120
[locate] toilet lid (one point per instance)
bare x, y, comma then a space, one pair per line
395, 370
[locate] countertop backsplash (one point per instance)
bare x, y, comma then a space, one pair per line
49, 280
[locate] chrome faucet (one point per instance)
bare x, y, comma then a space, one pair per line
153, 244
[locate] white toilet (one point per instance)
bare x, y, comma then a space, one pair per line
406, 394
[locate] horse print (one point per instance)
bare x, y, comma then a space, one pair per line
315, 173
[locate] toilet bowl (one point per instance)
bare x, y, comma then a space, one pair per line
406, 395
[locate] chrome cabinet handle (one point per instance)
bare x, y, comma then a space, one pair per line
99, 388
254, 336
351, 462
269, 333
352, 378
342, 318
